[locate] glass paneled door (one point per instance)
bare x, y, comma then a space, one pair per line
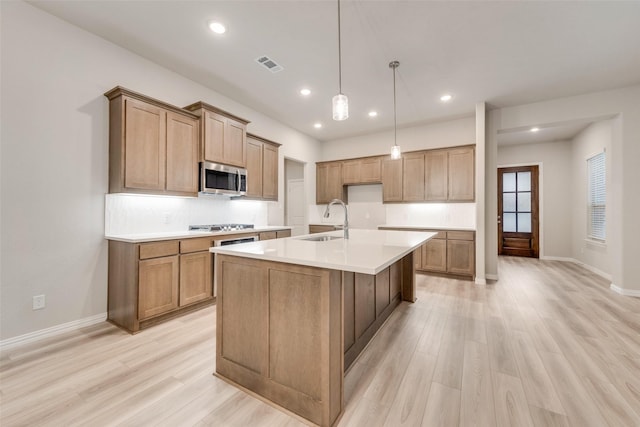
518, 211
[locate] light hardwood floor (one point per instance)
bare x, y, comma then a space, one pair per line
549, 344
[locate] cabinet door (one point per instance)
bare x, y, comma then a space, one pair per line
436, 175
434, 255
235, 144
182, 154
371, 170
144, 158
195, 277
254, 168
461, 257
392, 180
329, 182
214, 134
351, 172
462, 174
413, 178
157, 286
269, 172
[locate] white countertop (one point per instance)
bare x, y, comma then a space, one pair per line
366, 251
169, 235
425, 227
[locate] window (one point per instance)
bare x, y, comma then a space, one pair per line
596, 222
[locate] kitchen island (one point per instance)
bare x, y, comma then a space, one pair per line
293, 314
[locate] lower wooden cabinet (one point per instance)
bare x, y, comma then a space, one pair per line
195, 277
321, 228
434, 255
449, 252
157, 286
151, 282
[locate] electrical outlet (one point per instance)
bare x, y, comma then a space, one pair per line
166, 217
38, 302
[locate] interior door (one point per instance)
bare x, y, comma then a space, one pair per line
518, 217
296, 206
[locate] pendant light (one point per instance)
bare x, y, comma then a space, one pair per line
340, 101
395, 150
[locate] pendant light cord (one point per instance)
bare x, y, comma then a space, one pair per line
339, 53
394, 65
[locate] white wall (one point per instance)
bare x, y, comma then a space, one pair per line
555, 189
591, 141
623, 231
433, 135
55, 161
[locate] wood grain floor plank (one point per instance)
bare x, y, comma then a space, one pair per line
476, 397
579, 406
510, 401
535, 379
443, 406
408, 407
544, 418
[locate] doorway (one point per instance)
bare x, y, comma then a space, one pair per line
518, 213
295, 198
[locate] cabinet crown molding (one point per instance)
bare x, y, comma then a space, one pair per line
204, 106
259, 138
122, 91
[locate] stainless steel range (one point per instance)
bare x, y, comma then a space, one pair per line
221, 227
226, 240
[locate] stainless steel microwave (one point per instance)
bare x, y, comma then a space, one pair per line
222, 179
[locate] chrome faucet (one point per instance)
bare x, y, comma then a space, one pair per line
346, 215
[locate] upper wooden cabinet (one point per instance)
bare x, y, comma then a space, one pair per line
461, 174
223, 135
262, 168
153, 146
367, 170
413, 181
392, 180
435, 175
329, 182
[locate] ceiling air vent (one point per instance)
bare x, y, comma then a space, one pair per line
269, 64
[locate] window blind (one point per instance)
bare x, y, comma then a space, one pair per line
597, 196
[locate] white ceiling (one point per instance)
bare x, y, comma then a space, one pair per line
550, 133
504, 53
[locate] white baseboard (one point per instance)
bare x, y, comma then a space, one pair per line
54, 330
581, 264
491, 276
625, 292
480, 281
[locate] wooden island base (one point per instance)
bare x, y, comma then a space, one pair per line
288, 332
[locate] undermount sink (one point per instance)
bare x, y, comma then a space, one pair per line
320, 238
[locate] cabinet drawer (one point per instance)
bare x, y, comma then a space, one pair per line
283, 233
195, 245
460, 235
158, 249
441, 234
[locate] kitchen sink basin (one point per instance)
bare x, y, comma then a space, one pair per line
320, 238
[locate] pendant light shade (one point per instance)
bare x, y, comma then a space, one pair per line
340, 107
340, 101
396, 153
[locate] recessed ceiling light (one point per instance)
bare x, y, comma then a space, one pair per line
534, 129
373, 113
317, 125
446, 98
305, 92
217, 27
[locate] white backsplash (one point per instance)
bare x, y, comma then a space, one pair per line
366, 210
133, 214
